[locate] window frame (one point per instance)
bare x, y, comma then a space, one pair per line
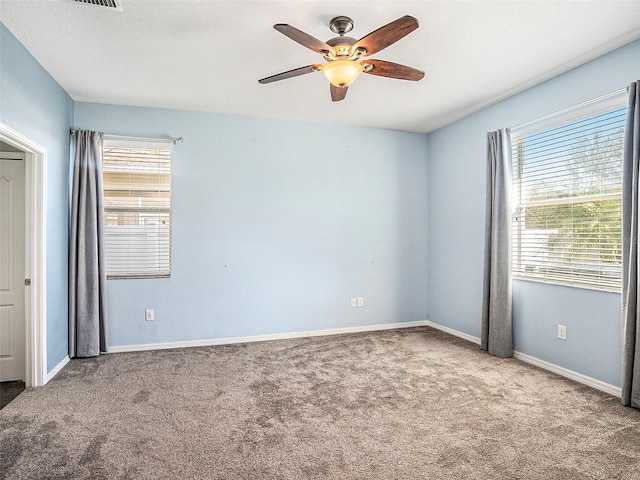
571, 115
163, 271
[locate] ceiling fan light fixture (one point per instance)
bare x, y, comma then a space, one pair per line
342, 73
344, 56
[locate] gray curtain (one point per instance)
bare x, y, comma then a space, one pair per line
497, 336
630, 217
87, 269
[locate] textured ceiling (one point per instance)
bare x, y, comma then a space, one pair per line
209, 55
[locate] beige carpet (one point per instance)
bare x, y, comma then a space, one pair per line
401, 404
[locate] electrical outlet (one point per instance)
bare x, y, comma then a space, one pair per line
562, 332
360, 302
148, 315
353, 302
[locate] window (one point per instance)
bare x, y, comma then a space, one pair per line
137, 209
567, 184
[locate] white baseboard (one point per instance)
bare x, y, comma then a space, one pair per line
263, 338
56, 369
564, 372
455, 333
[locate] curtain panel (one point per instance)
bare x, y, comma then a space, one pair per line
630, 217
87, 269
497, 337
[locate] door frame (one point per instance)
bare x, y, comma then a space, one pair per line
35, 249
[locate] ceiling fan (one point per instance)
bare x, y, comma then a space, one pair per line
345, 55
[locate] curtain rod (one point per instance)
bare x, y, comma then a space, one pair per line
174, 140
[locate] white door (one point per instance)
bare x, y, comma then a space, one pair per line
12, 241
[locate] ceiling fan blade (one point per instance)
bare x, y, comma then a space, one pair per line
382, 68
302, 38
290, 73
338, 93
387, 35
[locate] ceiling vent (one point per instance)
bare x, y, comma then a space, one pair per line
110, 4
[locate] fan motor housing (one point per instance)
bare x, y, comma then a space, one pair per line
341, 41
342, 45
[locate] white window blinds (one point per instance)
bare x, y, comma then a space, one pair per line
137, 208
567, 183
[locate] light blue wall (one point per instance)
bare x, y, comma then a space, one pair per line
32, 103
276, 224
456, 225
274, 231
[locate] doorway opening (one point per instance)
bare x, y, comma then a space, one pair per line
35, 203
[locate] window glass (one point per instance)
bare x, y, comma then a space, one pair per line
137, 208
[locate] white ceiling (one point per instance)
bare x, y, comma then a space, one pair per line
209, 55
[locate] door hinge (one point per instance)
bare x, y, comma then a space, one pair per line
27, 282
